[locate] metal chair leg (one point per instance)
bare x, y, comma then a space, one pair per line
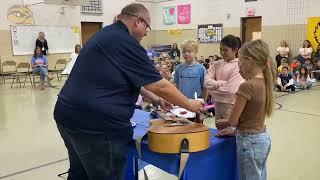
25, 79
61, 174
14, 77
18, 78
30, 80
34, 83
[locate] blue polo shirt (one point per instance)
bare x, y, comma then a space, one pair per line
190, 79
100, 93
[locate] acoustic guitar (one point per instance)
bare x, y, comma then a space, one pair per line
177, 135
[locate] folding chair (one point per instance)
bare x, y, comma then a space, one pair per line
22, 70
60, 65
7, 69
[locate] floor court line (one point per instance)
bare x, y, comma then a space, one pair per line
33, 168
309, 114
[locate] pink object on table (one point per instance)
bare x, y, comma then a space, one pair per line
139, 101
209, 106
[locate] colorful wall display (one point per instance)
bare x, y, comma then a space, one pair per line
180, 14
184, 14
169, 15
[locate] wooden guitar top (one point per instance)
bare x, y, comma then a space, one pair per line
160, 126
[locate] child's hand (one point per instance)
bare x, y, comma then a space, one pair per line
229, 131
222, 124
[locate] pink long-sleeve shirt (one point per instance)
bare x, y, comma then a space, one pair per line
223, 80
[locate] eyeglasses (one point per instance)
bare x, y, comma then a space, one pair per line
148, 26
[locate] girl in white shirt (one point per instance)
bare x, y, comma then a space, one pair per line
283, 51
305, 51
73, 59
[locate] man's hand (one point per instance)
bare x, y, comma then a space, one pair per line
196, 106
165, 105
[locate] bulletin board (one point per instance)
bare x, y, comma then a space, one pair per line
210, 33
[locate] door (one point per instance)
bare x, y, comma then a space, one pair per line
251, 28
88, 29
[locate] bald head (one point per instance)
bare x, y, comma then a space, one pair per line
137, 19
135, 8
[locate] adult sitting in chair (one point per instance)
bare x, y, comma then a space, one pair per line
39, 64
73, 59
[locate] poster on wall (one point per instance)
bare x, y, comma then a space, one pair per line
313, 31
210, 33
169, 15
184, 14
20, 15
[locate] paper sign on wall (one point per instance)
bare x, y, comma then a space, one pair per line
210, 33
184, 14
76, 29
256, 35
169, 15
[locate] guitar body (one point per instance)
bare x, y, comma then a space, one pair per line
165, 137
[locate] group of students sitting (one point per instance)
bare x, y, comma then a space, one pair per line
301, 73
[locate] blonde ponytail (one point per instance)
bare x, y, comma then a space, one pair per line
269, 77
259, 52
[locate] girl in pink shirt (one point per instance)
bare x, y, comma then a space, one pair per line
223, 78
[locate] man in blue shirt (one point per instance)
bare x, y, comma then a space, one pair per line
96, 103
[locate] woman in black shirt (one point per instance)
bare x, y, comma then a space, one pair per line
42, 43
174, 52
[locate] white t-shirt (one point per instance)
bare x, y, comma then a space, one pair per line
69, 67
305, 52
283, 51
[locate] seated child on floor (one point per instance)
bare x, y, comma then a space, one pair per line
316, 71
285, 81
284, 63
303, 79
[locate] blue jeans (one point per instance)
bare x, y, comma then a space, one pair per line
301, 86
252, 154
42, 71
94, 156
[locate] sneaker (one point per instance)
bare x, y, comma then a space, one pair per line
50, 85
50, 78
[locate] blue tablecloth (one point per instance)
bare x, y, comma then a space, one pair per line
217, 162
